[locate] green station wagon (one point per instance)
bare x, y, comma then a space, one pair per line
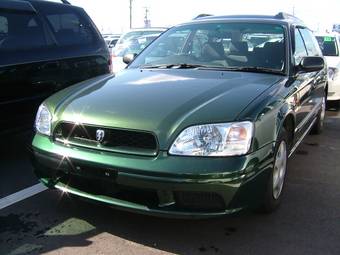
201, 123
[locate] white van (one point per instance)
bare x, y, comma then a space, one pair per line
329, 44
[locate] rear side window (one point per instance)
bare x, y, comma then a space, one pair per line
21, 31
70, 27
328, 45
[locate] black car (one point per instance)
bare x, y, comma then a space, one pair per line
44, 47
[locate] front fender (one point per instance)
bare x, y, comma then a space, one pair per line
268, 112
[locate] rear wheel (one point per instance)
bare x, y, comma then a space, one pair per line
318, 126
275, 184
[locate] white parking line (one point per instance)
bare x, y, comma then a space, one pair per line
21, 195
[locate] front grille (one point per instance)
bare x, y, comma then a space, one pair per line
114, 139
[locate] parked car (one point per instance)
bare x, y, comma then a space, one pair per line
110, 35
329, 44
44, 47
190, 128
133, 46
111, 40
336, 28
133, 33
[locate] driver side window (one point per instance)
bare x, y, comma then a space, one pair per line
198, 42
300, 49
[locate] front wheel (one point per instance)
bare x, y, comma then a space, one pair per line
275, 184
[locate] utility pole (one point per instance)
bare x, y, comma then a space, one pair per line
131, 14
147, 22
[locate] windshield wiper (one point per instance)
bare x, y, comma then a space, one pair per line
219, 68
251, 69
174, 66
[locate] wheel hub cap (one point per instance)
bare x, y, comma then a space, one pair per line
280, 167
323, 110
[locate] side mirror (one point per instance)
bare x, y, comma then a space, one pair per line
128, 58
311, 64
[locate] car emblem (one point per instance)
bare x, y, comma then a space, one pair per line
100, 134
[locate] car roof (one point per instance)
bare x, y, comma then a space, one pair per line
45, 2
17, 5
281, 18
150, 35
148, 29
327, 34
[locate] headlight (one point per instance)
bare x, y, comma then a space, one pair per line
332, 73
43, 120
225, 139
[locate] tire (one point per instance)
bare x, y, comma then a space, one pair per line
319, 124
337, 105
333, 104
275, 184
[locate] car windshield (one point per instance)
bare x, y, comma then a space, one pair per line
328, 45
233, 45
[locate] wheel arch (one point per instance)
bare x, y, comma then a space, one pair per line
286, 120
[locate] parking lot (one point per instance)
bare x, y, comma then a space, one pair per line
308, 221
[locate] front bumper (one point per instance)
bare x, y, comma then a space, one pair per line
165, 185
334, 90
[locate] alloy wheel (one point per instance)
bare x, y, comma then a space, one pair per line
280, 167
323, 111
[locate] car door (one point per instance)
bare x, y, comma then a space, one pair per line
317, 79
301, 86
27, 73
309, 87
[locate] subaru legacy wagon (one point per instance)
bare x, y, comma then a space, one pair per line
200, 124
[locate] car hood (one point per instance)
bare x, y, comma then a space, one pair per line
333, 62
161, 101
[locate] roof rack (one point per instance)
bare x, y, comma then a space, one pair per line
202, 16
65, 2
284, 15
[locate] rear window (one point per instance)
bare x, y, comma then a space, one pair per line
70, 27
20, 31
328, 45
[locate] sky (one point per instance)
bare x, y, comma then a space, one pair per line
112, 16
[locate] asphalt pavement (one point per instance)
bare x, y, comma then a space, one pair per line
308, 221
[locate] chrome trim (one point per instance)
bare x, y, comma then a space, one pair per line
302, 137
308, 117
